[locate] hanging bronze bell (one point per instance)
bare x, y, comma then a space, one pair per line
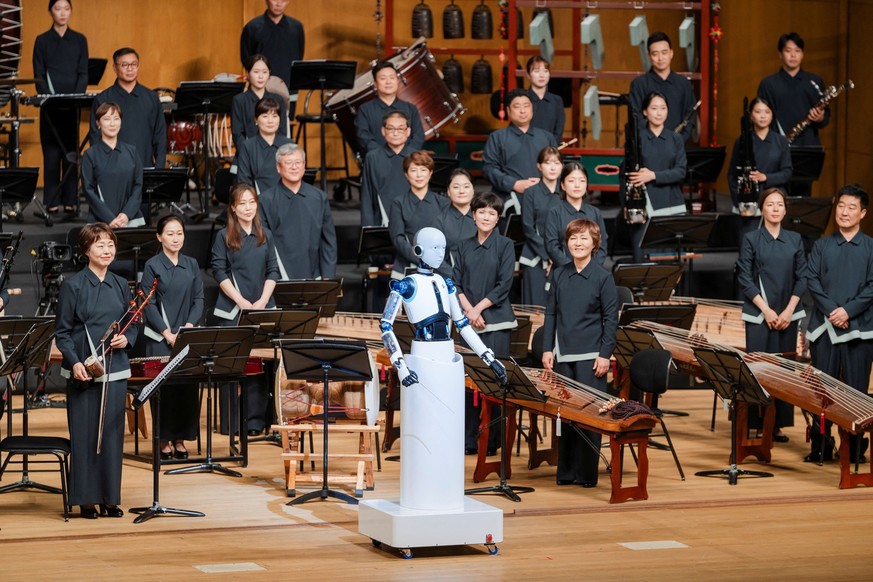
482, 27
482, 78
422, 21
550, 17
453, 76
453, 21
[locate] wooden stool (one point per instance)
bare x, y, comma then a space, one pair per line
292, 452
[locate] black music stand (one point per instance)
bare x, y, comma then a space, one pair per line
321, 75
648, 281
629, 341
808, 216
732, 380
18, 185
682, 232
272, 326
519, 387
806, 163
164, 186
215, 352
32, 340
134, 242
326, 360
154, 389
681, 316
703, 165
308, 294
374, 240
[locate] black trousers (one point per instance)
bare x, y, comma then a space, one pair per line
55, 163
578, 460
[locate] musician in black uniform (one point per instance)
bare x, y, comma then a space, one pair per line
572, 206
89, 303
841, 326
177, 303
417, 208
112, 174
368, 120
676, 89
535, 206
256, 157
60, 65
548, 108
662, 168
243, 123
509, 160
483, 276
244, 265
382, 179
456, 221
278, 37
579, 338
772, 277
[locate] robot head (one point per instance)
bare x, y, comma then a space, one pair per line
430, 247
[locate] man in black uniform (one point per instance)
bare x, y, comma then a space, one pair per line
368, 121
278, 37
383, 178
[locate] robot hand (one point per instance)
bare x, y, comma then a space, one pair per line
499, 370
410, 379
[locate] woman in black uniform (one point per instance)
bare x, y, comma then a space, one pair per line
772, 276
579, 338
245, 267
89, 302
178, 303
242, 112
456, 221
256, 156
112, 174
60, 65
535, 206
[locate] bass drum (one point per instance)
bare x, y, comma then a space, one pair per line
420, 84
184, 137
10, 27
299, 399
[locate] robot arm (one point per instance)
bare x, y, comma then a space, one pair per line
471, 337
399, 290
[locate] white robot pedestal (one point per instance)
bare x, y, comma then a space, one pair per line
432, 509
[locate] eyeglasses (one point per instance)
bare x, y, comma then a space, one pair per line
293, 163
390, 129
133, 65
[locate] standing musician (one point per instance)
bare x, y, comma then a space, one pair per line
243, 119
60, 65
368, 121
244, 265
382, 179
772, 277
675, 89
572, 206
535, 206
548, 108
178, 303
663, 163
112, 174
89, 303
299, 217
256, 156
509, 159
456, 221
579, 338
278, 37
841, 325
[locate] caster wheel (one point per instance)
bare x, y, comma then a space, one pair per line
376, 543
406, 553
492, 549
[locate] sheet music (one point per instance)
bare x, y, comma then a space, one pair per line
146, 392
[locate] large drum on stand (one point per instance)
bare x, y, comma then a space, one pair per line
420, 84
10, 38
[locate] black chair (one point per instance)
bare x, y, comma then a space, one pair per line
625, 296
27, 446
649, 373
224, 181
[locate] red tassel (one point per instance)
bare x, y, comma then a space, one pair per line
475, 398
382, 373
821, 423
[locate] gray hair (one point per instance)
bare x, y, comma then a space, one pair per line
287, 150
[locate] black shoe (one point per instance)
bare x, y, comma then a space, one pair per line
564, 481
865, 443
492, 452
780, 438
815, 457
166, 456
177, 454
253, 432
111, 511
588, 485
471, 451
89, 512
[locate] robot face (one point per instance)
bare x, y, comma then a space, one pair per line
430, 247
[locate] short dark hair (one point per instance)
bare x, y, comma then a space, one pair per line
548, 152
789, 36
582, 225
165, 220
513, 95
105, 108
266, 105
487, 200
253, 60
658, 37
383, 65
419, 158
568, 169
123, 52
460, 172
395, 113
854, 190
766, 194
647, 100
537, 60
91, 233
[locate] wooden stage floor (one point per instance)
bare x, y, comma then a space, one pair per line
797, 525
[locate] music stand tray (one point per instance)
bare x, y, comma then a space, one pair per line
704, 164
806, 163
308, 294
808, 216
326, 360
648, 281
681, 316
133, 243
164, 185
732, 379
374, 240
207, 96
